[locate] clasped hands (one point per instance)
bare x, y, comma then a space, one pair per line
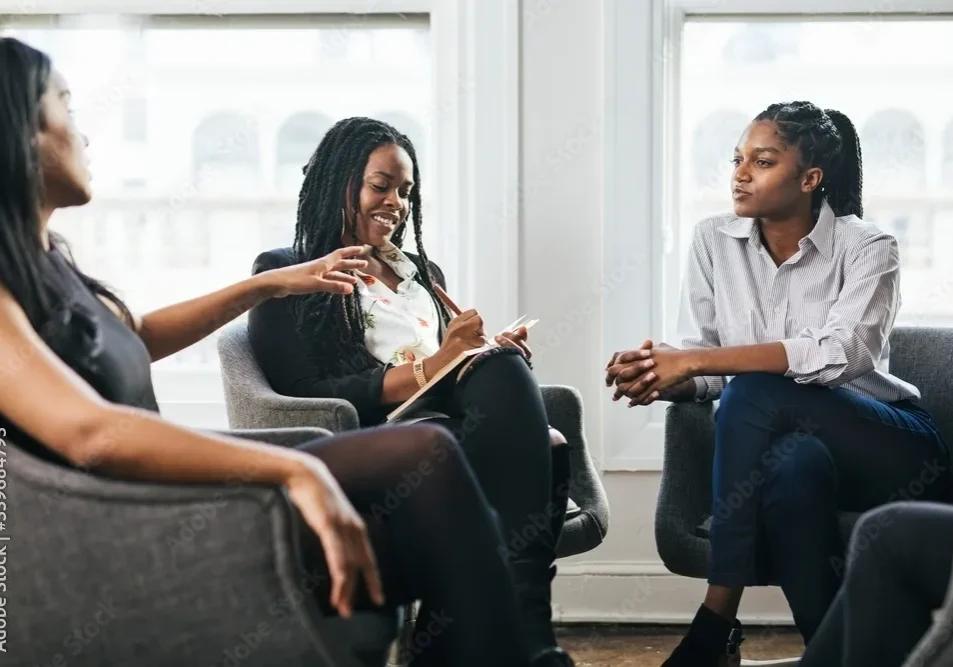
652, 372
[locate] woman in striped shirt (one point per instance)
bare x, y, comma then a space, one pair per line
793, 297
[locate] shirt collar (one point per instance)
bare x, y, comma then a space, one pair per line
397, 260
822, 236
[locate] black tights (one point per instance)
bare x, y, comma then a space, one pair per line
898, 573
498, 416
435, 537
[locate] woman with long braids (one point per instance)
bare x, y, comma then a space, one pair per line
793, 297
75, 367
376, 346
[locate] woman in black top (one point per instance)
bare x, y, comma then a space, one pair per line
76, 388
377, 345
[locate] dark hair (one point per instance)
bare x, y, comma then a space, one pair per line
334, 323
26, 268
828, 140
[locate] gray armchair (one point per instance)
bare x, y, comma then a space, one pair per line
107, 572
252, 403
921, 355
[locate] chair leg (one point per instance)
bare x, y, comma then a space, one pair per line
400, 650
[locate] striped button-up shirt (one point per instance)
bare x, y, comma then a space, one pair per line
832, 304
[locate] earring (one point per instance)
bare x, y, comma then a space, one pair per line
343, 223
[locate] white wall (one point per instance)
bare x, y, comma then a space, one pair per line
562, 234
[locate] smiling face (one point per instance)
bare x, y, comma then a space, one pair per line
62, 149
385, 195
769, 180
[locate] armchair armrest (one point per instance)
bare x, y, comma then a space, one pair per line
123, 572
685, 493
565, 412
267, 409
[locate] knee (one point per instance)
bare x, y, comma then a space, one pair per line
433, 441
877, 530
556, 439
797, 469
504, 369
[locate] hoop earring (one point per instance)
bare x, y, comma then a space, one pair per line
343, 224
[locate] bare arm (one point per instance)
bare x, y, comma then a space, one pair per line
173, 328
176, 327
94, 434
765, 358
51, 403
400, 383
463, 333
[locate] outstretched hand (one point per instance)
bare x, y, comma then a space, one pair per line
326, 274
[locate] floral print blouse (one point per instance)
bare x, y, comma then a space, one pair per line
401, 326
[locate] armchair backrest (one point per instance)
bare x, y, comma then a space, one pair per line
243, 379
923, 356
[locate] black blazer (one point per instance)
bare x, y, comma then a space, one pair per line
283, 356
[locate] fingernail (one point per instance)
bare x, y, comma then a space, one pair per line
654, 394
646, 354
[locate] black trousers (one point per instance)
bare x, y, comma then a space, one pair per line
788, 458
899, 567
498, 416
435, 538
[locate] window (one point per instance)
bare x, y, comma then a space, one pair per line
894, 151
298, 137
226, 153
713, 138
184, 203
135, 126
948, 155
873, 71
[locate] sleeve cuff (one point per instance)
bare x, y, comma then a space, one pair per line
701, 388
807, 359
708, 388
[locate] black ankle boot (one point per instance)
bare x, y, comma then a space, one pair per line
552, 657
534, 593
706, 642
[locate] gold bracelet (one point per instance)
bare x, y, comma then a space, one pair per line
419, 373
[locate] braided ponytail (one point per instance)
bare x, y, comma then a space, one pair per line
826, 140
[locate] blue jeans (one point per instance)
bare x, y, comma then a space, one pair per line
788, 458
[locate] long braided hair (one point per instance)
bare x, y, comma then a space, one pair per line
334, 323
826, 139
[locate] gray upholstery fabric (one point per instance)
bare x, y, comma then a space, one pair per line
106, 572
921, 355
935, 648
252, 403
585, 529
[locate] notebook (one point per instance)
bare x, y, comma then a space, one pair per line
445, 370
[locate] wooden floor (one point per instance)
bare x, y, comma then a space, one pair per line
649, 646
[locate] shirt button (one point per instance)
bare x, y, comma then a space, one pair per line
777, 310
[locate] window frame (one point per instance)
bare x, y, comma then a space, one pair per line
642, 52
476, 93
